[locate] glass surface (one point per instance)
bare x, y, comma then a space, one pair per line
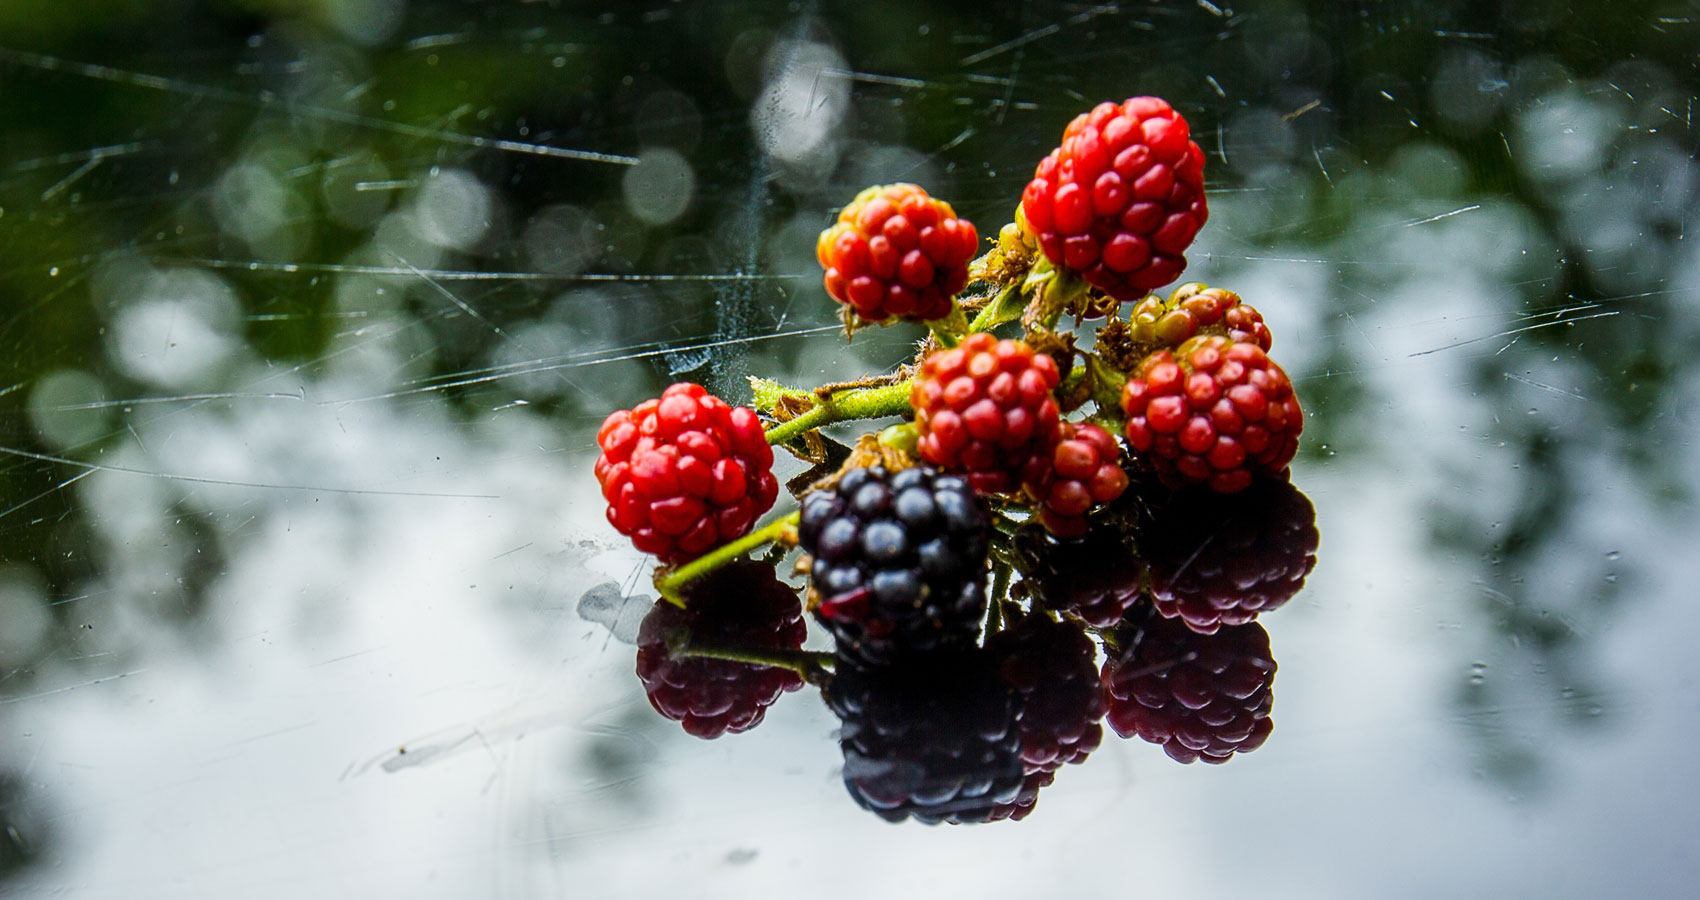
309, 314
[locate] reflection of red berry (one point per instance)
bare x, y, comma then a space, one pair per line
1219, 561
895, 251
1192, 309
1051, 664
1202, 697
1122, 198
1214, 412
740, 606
1078, 472
984, 408
1097, 577
684, 472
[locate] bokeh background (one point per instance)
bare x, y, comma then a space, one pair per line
309, 310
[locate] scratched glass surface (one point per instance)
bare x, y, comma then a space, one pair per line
308, 314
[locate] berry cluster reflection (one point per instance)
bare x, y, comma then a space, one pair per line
1148, 622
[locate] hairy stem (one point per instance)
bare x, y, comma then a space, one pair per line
867, 403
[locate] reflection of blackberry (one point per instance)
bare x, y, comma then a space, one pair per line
899, 561
740, 606
1202, 697
934, 737
1022, 806
1097, 577
1052, 665
1223, 560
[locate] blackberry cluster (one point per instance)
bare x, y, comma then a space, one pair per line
936, 738
742, 605
1214, 411
896, 251
899, 561
984, 408
1122, 198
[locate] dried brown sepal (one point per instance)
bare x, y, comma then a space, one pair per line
1117, 348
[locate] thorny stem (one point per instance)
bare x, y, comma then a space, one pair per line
671, 581
869, 403
814, 667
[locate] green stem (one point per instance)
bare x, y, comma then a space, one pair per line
945, 338
865, 403
673, 581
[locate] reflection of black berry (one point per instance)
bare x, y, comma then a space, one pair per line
741, 606
1052, 665
1022, 806
935, 737
1200, 696
899, 561
1222, 560
1096, 577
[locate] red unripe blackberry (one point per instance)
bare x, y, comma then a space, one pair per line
684, 473
1053, 666
1201, 697
739, 606
1097, 577
1080, 470
899, 561
1219, 561
984, 408
895, 251
1121, 199
1213, 411
934, 737
1193, 309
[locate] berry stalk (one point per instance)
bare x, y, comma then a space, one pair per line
867, 403
670, 582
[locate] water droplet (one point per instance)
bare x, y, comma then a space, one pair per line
1615, 554
53, 272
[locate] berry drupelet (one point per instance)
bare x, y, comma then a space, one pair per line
899, 561
685, 472
935, 738
1219, 561
895, 251
1121, 199
1201, 697
985, 409
740, 606
1213, 411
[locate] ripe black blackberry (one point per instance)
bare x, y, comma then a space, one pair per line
1200, 696
740, 606
1053, 666
1097, 577
933, 737
899, 561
